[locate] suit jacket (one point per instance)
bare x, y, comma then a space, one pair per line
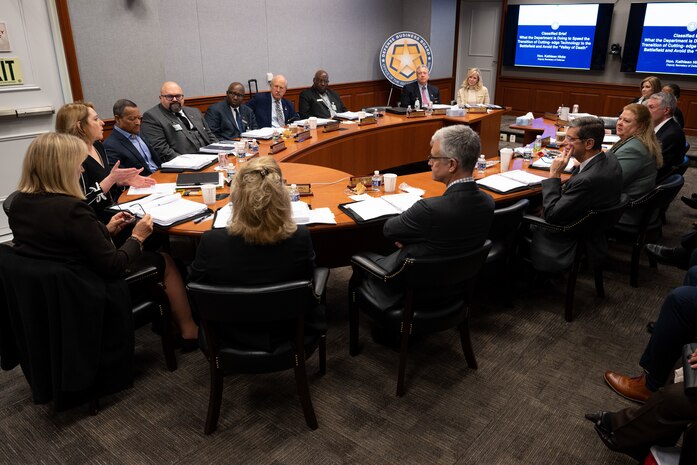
220, 120
160, 130
311, 104
261, 105
598, 186
119, 148
482, 96
672, 139
411, 92
638, 167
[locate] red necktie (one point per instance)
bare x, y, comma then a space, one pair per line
424, 97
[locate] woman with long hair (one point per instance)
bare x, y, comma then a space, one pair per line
472, 91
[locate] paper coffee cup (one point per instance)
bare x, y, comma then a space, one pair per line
390, 180
208, 194
561, 135
506, 156
313, 122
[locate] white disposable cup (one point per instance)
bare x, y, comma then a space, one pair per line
208, 194
564, 114
313, 122
506, 156
390, 180
561, 135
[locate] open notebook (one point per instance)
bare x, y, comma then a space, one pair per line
302, 214
189, 161
376, 207
510, 181
165, 210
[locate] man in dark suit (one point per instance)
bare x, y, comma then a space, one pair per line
454, 223
674, 89
595, 184
669, 133
229, 118
270, 108
419, 90
125, 144
171, 128
319, 100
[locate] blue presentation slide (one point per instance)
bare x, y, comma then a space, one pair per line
558, 46
669, 39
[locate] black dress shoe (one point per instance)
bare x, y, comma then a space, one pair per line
668, 255
694, 195
600, 420
689, 201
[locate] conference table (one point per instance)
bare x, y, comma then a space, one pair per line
334, 244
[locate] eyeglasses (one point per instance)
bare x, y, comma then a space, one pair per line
171, 98
571, 138
135, 209
431, 157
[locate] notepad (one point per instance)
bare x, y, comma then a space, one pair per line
185, 180
544, 163
164, 209
262, 133
219, 147
189, 161
510, 181
387, 205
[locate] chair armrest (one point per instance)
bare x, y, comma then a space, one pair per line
366, 264
145, 274
320, 281
542, 223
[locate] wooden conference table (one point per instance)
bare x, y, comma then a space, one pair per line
334, 244
395, 140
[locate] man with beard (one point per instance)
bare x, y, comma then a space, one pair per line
171, 128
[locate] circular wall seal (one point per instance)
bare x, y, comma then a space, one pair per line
401, 54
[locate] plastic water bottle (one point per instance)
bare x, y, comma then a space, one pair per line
481, 164
409, 110
254, 147
377, 181
417, 105
294, 194
537, 146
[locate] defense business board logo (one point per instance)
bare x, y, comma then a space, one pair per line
401, 54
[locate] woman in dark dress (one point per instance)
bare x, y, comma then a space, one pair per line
260, 245
102, 185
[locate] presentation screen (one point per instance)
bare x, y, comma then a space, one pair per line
557, 36
661, 38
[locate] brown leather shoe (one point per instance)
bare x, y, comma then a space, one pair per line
630, 388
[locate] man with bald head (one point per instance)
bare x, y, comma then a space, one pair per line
319, 100
171, 128
270, 108
229, 118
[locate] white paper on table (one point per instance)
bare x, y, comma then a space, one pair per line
402, 202
261, 133
360, 197
190, 161
373, 208
442, 106
412, 190
300, 212
320, 215
164, 188
320, 122
222, 216
351, 115
610, 138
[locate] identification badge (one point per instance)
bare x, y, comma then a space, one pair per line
177, 127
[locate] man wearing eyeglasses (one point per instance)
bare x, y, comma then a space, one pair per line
319, 100
229, 118
595, 184
173, 129
454, 223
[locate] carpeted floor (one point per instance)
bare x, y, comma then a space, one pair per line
537, 376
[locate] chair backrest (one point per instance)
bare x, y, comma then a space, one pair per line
440, 279
605, 219
8, 202
609, 122
657, 200
252, 304
507, 221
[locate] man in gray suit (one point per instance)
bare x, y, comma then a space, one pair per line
229, 119
451, 224
595, 184
171, 128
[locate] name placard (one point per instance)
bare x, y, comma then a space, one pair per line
305, 190
416, 114
367, 120
278, 147
10, 72
333, 126
365, 180
303, 136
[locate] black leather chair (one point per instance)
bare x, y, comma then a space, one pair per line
677, 169
437, 296
149, 302
503, 235
594, 220
69, 329
651, 206
262, 305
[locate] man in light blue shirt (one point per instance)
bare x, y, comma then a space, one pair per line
125, 144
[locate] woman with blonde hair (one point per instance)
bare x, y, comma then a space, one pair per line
638, 153
472, 91
100, 184
649, 85
260, 245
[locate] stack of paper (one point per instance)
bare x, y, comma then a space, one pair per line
510, 181
164, 209
387, 205
352, 115
219, 147
262, 133
189, 161
317, 216
320, 122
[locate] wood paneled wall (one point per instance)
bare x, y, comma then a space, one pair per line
355, 95
598, 98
